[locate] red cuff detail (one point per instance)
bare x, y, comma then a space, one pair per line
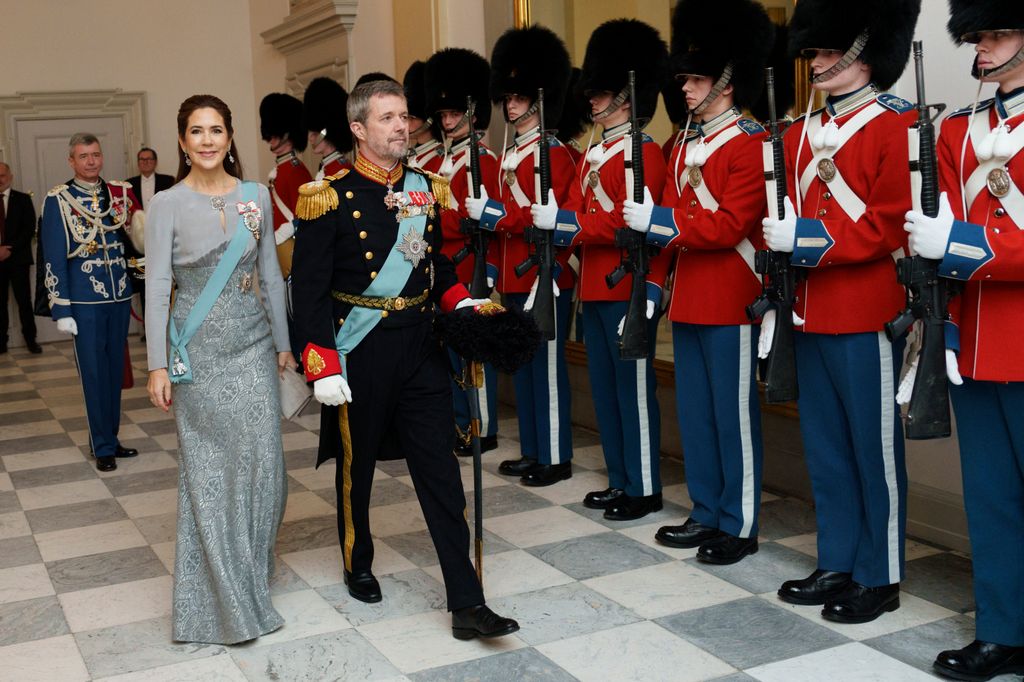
452, 297
319, 362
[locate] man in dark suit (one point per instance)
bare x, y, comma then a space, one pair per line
148, 182
17, 225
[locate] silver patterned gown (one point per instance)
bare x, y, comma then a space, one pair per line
231, 484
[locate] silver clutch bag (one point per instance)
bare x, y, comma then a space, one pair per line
295, 394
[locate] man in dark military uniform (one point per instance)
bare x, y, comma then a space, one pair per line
368, 273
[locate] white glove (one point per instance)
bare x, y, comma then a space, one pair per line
471, 302
929, 236
544, 216
638, 216
490, 282
533, 293
67, 325
284, 232
474, 206
906, 389
651, 307
779, 234
764, 341
332, 390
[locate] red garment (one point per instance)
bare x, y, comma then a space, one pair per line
458, 178
285, 180
335, 166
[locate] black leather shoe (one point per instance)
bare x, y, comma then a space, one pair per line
690, 534
33, 347
859, 604
480, 621
601, 499
126, 452
487, 443
817, 588
980, 661
106, 463
627, 508
363, 586
726, 549
516, 467
547, 474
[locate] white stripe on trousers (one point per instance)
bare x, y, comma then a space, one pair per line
888, 416
553, 423
645, 427
485, 415
746, 333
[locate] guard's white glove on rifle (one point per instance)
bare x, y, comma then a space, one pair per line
533, 293
929, 236
638, 216
652, 306
764, 341
332, 390
906, 388
545, 215
474, 206
67, 325
284, 232
780, 233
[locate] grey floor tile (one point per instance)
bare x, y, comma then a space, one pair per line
785, 518
19, 551
595, 555
920, 645
330, 496
405, 594
28, 417
108, 568
302, 458
158, 528
312, 533
508, 499
670, 513
418, 548
9, 502
74, 423
944, 579
74, 515
765, 571
159, 428
137, 646
394, 467
32, 619
285, 580
342, 655
12, 396
521, 664
735, 677
143, 482
584, 438
135, 404
50, 441
294, 486
145, 446
672, 471
387, 491
749, 632
63, 473
563, 611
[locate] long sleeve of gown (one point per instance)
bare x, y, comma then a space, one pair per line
272, 286
159, 255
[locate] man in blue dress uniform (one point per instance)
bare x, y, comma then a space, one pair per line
88, 285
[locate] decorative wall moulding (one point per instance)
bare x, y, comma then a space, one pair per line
311, 22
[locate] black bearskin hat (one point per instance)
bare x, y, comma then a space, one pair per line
373, 76
673, 97
575, 111
415, 93
832, 25
504, 337
324, 109
707, 36
525, 59
453, 74
785, 79
973, 16
619, 46
281, 116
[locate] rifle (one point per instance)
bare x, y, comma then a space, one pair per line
477, 240
927, 294
543, 253
635, 258
778, 277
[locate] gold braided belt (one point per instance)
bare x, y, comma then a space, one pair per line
381, 302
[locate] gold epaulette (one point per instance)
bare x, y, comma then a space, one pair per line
315, 199
337, 176
441, 188
56, 190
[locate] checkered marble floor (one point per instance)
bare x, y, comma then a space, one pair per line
86, 561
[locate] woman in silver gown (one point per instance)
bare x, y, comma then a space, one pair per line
231, 485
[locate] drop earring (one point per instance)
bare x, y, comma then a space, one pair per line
188, 161
231, 158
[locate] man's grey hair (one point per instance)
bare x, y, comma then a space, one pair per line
84, 139
6, 165
358, 107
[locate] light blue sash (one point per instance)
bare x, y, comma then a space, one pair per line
181, 370
390, 280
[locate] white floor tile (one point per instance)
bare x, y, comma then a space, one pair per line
146, 461
678, 493
542, 526
847, 663
150, 504
103, 607
305, 614
101, 537
299, 440
306, 505
573, 489
24, 582
317, 567
394, 519
43, 660
316, 479
513, 572
213, 669
13, 524
665, 589
43, 458
165, 552
645, 535
12, 431
5, 482
62, 493
21, 405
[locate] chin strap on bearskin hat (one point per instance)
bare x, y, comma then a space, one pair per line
615, 48
848, 58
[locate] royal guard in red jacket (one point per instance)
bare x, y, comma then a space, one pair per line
450, 77
847, 172
524, 60
977, 235
426, 152
623, 390
323, 110
710, 219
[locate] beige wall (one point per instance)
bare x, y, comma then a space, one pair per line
268, 68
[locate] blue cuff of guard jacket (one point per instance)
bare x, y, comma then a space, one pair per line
567, 226
492, 271
952, 334
654, 293
966, 251
812, 243
663, 228
494, 211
